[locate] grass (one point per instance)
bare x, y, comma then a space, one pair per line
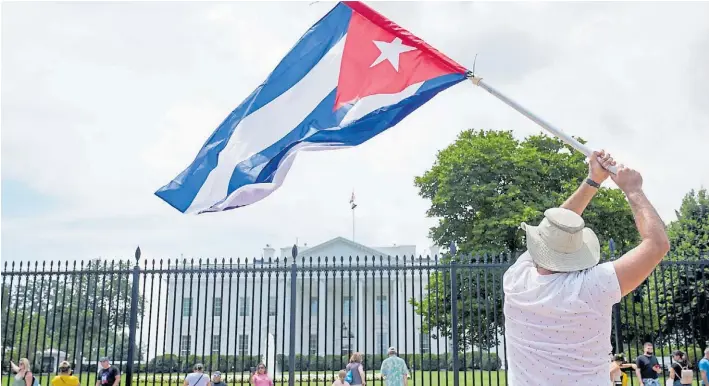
419, 378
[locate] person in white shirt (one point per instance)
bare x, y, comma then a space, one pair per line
558, 299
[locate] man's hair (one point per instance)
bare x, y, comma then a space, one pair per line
706, 350
199, 367
647, 344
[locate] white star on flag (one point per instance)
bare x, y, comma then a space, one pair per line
390, 52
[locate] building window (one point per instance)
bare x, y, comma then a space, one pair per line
313, 306
216, 344
381, 340
244, 306
425, 344
381, 306
217, 311
186, 306
244, 344
272, 306
347, 306
313, 344
185, 345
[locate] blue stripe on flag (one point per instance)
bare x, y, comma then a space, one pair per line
262, 167
307, 52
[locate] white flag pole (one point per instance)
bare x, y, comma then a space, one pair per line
546, 125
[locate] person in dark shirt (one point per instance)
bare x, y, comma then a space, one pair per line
648, 367
108, 375
217, 379
679, 363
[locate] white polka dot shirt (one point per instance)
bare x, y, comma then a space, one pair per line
558, 327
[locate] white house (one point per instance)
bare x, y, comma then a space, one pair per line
338, 310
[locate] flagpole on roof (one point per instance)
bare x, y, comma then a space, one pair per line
353, 205
571, 141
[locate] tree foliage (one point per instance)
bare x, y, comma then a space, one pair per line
672, 307
85, 313
486, 183
481, 188
687, 311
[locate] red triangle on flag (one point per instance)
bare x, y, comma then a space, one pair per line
382, 58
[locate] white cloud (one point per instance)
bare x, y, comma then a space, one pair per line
104, 102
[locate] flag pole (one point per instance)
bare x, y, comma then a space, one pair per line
353, 205
353, 223
571, 141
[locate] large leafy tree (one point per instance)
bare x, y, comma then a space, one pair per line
672, 307
687, 297
481, 188
85, 313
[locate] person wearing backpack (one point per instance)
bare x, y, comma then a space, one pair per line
355, 371
24, 375
679, 372
65, 378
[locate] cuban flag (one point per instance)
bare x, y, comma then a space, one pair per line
353, 75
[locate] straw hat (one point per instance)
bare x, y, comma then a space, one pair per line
561, 243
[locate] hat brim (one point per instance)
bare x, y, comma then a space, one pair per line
586, 257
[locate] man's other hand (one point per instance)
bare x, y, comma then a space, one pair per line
598, 164
628, 180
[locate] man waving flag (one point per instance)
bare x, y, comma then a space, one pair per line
353, 75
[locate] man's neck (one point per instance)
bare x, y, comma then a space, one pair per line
544, 271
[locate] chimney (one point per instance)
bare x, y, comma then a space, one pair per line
269, 252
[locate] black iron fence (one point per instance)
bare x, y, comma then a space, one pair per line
304, 316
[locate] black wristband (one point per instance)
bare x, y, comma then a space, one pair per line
593, 183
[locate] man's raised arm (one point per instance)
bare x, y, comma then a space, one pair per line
635, 266
597, 173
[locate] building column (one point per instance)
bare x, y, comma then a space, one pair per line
322, 318
361, 323
401, 311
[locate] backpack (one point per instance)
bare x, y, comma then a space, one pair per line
686, 376
348, 377
35, 382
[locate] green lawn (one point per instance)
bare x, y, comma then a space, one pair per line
419, 378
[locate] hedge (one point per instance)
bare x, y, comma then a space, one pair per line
172, 363
425, 362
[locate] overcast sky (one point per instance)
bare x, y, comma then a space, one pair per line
103, 103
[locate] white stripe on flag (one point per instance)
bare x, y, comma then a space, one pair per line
269, 124
374, 102
249, 194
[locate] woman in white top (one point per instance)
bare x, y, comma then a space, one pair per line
197, 377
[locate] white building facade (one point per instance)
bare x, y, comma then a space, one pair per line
352, 305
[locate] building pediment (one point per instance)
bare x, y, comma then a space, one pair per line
337, 248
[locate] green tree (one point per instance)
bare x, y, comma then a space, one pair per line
86, 313
687, 297
671, 308
481, 188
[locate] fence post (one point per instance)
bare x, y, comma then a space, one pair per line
291, 344
133, 318
454, 314
617, 325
